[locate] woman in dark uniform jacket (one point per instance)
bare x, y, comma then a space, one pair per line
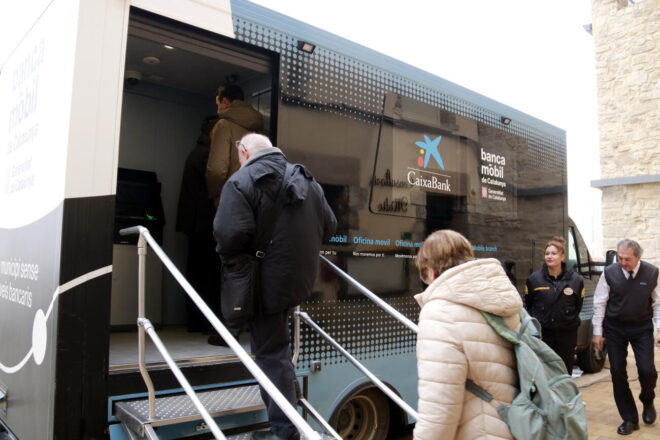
554, 295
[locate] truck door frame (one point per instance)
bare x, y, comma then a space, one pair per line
150, 26
93, 392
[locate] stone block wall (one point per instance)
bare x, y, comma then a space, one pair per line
627, 45
633, 211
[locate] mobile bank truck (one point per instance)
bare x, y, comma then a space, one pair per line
101, 102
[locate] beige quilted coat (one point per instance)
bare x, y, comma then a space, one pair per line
455, 343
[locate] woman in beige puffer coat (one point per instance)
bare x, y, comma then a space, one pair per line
455, 343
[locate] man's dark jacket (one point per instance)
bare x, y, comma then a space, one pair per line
289, 268
194, 214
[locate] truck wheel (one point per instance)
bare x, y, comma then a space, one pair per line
364, 416
591, 360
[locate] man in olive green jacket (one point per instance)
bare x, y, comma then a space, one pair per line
237, 118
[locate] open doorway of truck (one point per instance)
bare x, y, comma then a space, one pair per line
172, 73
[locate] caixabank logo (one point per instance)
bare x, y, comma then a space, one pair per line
429, 149
430, 163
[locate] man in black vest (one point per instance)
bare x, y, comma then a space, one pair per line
626, 304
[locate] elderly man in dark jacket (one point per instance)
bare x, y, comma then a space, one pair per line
290, 265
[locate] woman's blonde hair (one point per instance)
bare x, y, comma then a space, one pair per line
559, 243
443, 250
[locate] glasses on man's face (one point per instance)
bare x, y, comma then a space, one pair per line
240, 147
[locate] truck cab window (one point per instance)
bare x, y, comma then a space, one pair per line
572, 260
577, 245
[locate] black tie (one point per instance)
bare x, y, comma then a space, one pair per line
631, 274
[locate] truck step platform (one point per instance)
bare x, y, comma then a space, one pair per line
171, 410
246, 436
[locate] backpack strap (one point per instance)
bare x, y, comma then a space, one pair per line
525, 320
265, 227
527, 324
478, 391
497, 323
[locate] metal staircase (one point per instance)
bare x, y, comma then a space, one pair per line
141, 418
172, 410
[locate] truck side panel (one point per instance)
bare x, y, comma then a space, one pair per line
35, 84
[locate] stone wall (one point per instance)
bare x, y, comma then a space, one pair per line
633, 211
627, 44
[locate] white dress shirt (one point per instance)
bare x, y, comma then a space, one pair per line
602, 294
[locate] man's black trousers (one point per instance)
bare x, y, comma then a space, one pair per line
270, 345
203, 273
640, 336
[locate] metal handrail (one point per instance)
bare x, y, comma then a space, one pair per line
372, 296
142, 261
320, 420
149, 328
286, 407
296, 336
384, 388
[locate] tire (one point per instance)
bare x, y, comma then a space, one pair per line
591, 360
364, 416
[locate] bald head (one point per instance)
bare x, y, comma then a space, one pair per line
253, 142
249, 144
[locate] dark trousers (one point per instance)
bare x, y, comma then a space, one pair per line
203, 273
563, 343
270, 346
640, 336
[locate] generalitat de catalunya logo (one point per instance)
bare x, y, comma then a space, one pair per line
428, 149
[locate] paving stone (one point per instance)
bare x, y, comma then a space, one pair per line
602, 415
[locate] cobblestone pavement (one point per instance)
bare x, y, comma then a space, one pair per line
602, 415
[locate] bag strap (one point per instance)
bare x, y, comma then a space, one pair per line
265, 228
478, 391
497, 323
528, 324
527, 320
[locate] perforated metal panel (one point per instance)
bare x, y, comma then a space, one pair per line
333, 82
361, 327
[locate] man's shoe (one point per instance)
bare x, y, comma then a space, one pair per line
649, 415
626, 428
217, 340
270, 435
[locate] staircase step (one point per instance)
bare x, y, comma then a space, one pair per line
171, 410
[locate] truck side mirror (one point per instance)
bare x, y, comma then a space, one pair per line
610, 257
